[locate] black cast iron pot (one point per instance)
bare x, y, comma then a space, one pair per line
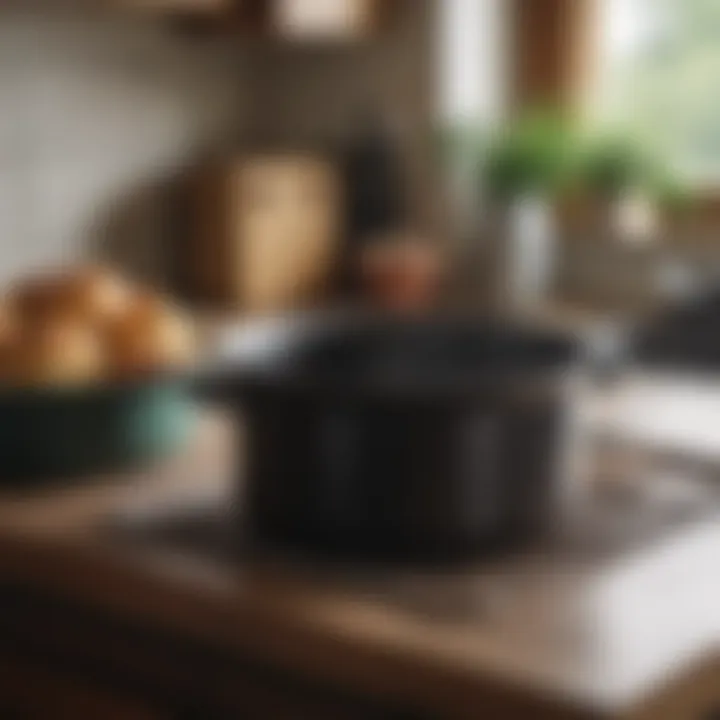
400, 438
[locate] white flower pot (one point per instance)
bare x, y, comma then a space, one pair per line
526, 246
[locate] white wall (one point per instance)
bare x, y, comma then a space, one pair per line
94, 114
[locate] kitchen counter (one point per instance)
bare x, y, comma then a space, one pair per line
137, 596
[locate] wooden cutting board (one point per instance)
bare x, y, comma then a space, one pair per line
266, 234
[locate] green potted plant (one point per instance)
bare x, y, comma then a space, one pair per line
620, 181
531, 157
611, 165
522, 172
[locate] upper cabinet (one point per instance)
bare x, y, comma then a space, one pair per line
322, 19
292, 20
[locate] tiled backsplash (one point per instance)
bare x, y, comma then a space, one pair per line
95, 115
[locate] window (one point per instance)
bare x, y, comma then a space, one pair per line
471, 85
471, 80
659, 76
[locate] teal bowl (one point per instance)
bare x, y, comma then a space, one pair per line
63, 432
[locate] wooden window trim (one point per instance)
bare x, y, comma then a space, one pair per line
552, 50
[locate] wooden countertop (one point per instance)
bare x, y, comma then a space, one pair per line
618, 617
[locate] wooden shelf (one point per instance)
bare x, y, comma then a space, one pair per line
182, 7
273, 19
